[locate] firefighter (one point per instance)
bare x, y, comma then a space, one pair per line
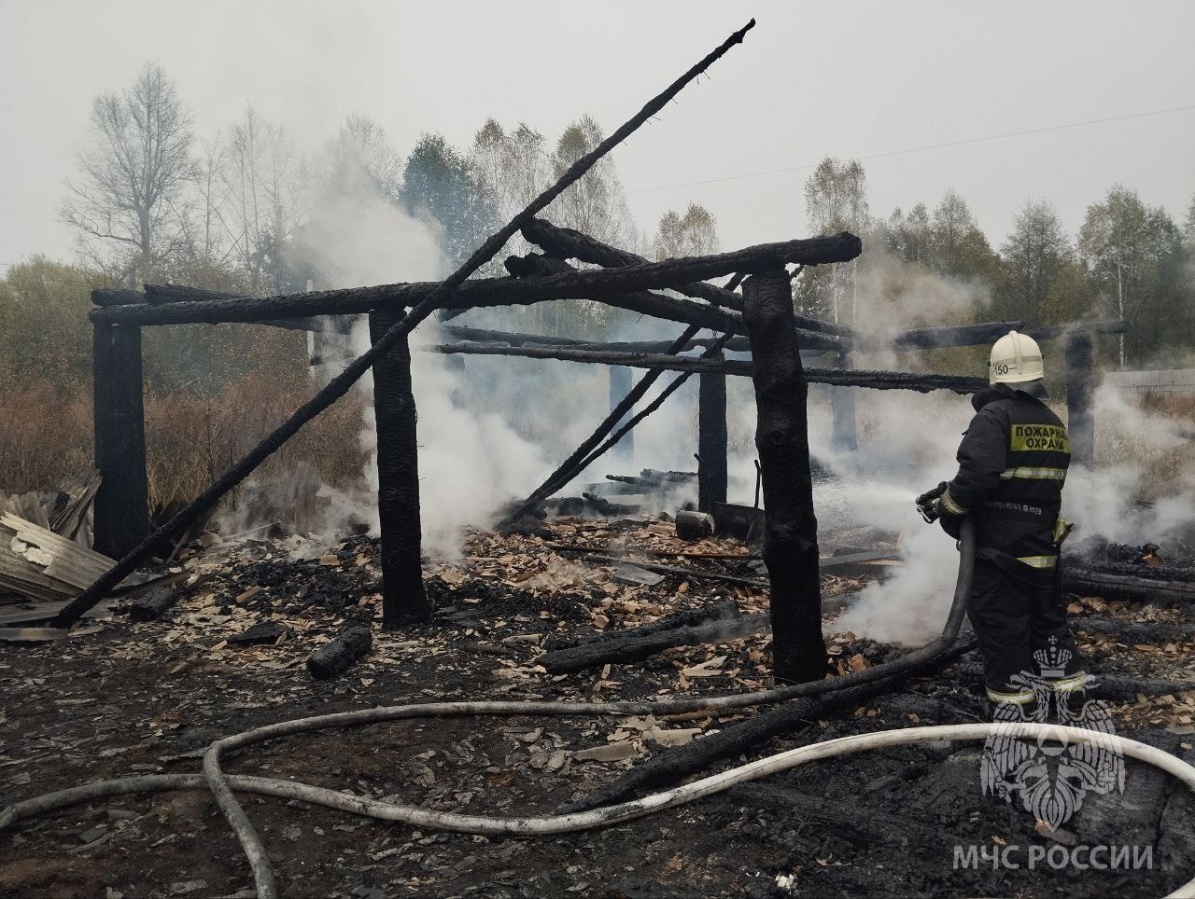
1012, 464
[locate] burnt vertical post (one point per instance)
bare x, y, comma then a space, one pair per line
711, 438
1079, 394
404, 601
782, 441
122, 503
843, 429
620, 386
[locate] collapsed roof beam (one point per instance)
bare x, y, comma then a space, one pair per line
566, 243
614, 286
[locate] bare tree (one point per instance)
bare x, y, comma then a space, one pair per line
258, 214
836, 200
596, 204
129, 204
693, 234
360, 162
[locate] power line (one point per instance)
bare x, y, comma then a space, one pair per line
953, 143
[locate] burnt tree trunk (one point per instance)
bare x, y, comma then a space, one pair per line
404, 600
122, 502
711, 439
1080, 422
782, 442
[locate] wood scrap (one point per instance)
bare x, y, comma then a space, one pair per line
42, 565
154, 604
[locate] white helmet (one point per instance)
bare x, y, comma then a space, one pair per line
1015, 359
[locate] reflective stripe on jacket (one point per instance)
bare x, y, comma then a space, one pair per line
1012, 465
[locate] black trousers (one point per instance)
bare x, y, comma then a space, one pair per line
1016, 615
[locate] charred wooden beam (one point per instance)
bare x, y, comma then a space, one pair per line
515, 339
404, 600
641, 642
712, 466
1080, 391
342, 383
1134, 632
112, 297
157, 294
338, 655
878, 380
534, 266
511, 338
154, 604
566, 243
614, 286
955, 335
1107, 326
1087, 582
122, 501
782, 443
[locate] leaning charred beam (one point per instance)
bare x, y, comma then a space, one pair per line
878, 380
782, 442
567, 243
404, 601
616, 437
674, 765
1086, 582
955, 335
613, 286
569, 467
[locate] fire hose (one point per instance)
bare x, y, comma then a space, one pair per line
223, 786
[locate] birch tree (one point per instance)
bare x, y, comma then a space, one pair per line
129, 203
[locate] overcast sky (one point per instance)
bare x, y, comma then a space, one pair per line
1002, 101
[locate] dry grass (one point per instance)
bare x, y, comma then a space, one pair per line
46, 435
1160, 441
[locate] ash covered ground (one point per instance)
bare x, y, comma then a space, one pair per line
122, 698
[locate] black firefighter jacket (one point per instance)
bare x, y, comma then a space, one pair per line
1012, 464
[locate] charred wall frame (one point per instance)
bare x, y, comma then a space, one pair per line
122, 520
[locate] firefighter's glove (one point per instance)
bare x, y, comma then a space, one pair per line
952, 524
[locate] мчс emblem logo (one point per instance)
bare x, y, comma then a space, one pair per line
1051, 778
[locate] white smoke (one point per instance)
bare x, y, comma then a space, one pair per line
470, 461
1124, 498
